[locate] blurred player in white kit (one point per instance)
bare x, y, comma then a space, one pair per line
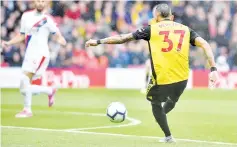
36, 26
148, 74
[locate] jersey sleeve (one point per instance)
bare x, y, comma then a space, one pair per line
52, 26
193, 36
22, 27
143, 33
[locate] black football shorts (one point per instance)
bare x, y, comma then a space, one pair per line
160, 93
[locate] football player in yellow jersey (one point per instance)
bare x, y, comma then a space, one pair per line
169, 49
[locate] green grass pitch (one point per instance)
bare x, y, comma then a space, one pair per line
202, 118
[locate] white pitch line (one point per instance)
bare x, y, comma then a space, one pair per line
81, 130
118, 135
155, 137
133, 122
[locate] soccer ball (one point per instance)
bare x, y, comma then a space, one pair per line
116, 112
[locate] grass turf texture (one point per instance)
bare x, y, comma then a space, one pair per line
200, 115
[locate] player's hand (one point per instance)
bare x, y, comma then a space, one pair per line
213, 78
4, 44
91, 42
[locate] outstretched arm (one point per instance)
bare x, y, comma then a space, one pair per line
213, 76
143, 33
17, 39
118, 39
200, 42
60, 39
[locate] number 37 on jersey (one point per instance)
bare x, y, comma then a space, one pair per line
177, 34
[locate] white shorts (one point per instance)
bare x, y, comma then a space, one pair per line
36, 65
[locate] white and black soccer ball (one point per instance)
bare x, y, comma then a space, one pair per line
116, 112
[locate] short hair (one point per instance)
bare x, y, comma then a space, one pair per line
164, 10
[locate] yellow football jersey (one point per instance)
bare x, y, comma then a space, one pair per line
169, 47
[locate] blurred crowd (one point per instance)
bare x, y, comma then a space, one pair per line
79, 21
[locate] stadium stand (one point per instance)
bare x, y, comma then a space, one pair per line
79, 21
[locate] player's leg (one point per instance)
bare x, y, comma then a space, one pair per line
177, 90
24, 84
158, 94
160, 117
148, 74
38, 89
147, 78
30, 67
143, 90
168, 105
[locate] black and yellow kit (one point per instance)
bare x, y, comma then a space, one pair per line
169, 48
